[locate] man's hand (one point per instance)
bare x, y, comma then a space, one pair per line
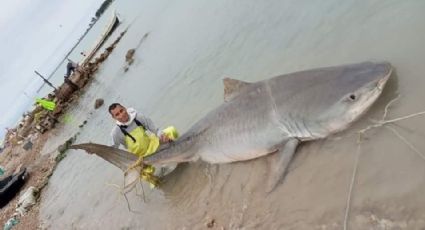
164, 139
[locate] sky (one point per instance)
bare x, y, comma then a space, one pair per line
35, 35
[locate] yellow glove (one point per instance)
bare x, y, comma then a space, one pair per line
147, 172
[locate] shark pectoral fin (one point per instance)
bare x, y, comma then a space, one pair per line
279, 163
232, 87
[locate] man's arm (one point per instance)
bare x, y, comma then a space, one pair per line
147, 123
117, 137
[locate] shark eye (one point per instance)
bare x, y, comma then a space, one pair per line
352, 97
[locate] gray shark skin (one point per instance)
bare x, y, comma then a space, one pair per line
118, 157
273, 116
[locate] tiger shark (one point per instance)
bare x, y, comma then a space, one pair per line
270, 116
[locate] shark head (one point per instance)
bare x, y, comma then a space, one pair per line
361, 85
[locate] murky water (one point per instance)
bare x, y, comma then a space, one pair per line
176, 79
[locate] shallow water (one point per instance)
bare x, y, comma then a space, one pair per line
176, 79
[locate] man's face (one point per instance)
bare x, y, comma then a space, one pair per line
120, 114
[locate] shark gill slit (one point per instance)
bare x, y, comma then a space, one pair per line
281, 126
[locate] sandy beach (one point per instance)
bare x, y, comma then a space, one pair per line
40, 168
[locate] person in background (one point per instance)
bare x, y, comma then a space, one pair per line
70, 68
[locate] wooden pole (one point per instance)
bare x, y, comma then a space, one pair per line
45, 80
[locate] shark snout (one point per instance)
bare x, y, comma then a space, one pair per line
382, 81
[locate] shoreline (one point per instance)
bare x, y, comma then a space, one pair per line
40, 169
36, 130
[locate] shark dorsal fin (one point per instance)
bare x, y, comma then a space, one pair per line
232, 87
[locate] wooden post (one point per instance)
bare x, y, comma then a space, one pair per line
45, 80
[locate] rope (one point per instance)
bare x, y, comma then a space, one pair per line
353, 178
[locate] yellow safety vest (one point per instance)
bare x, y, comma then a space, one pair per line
46, 104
